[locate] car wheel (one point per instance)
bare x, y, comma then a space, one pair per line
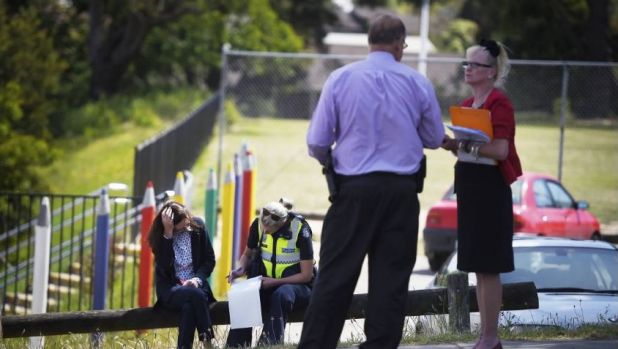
595, 236
436, 261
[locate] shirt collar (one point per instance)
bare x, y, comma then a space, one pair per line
381, 56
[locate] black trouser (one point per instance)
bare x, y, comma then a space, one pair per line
276, 303
194, 314
374, 215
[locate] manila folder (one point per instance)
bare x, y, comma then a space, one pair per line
478, 119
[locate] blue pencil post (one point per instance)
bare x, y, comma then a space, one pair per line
236, 248
101, 259
101, 254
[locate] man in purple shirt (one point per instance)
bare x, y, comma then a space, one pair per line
376, 115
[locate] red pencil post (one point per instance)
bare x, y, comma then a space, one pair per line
145, 261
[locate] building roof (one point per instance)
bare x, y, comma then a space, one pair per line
356, 40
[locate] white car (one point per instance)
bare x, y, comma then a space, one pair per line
576, 281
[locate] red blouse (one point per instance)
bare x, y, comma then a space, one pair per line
503, 120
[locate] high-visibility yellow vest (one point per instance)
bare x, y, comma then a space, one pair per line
279, 254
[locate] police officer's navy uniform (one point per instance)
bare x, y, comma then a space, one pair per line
279, 256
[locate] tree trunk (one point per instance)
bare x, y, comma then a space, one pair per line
116, 39
113, 52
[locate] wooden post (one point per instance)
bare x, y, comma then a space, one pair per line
458, 307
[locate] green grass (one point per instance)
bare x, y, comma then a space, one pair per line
166, 338
590, 164
84, 168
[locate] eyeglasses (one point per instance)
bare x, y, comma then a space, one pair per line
405, 45
266, 213
474, 65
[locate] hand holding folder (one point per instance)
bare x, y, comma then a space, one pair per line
470, 123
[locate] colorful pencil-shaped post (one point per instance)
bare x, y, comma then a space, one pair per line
237, 247
227, 226
210, 205
40, 276
248, 208
101, 254
179, 188
145, 260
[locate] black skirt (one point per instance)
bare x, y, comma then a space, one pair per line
484, 219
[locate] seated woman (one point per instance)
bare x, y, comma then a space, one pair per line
184, 258
280, 249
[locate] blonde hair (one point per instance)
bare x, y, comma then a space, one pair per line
501, 62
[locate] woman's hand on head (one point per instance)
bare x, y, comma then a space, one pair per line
167, 219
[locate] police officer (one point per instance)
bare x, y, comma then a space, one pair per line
279, 248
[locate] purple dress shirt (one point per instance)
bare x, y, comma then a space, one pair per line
379, 114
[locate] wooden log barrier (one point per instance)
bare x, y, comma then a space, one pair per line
516, 296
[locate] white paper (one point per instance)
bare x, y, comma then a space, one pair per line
244, 303
469, 133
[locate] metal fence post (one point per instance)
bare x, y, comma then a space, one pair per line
224, 53
564, 103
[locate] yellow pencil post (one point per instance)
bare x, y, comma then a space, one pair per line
253, 166
227, 230
179, 188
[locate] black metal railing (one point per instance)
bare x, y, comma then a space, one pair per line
73, 223
176, 149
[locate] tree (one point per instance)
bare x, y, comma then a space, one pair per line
189, 50
308, 18
30, 72
118, 30
551, 29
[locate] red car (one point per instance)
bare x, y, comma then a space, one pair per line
541, 206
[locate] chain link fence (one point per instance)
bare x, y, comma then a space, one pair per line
550, 98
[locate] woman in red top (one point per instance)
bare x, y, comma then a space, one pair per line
483, 175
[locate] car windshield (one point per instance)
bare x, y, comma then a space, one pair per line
566, 267
563, 268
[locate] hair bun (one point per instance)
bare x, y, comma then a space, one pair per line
491, 46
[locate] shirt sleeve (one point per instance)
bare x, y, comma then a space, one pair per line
304, 243
503, 120
431, 128
321, 133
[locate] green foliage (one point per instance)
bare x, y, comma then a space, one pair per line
182, 52
21, 155
95, 157
531, 28
232, 114
259, 29
103, 117
459, 35
91, 120
308, 18
188, 51
30, 70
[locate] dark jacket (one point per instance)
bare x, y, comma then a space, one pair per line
203, 257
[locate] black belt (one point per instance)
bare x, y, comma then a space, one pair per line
375, 175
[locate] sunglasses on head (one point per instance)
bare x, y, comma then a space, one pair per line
273, 216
